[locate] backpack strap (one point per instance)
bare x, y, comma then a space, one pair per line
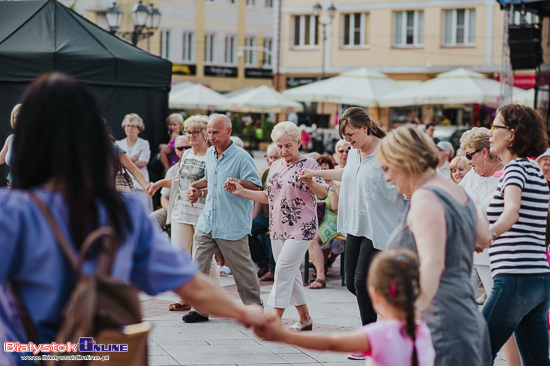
108, 250
61, 238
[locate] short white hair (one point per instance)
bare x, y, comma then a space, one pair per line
180, 137
285, 127
237, 141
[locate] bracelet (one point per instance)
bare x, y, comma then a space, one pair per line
493, 233
202, 192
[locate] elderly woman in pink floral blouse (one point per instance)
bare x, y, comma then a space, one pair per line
292, 219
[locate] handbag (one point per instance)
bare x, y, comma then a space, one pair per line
123, 181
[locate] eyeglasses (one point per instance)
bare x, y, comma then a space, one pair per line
131, 126
345, 150
470, 156
493, 126
180, 148
194, 133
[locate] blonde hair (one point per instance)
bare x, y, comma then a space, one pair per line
286, 127
197, 122
14, 112
133, 117
458, 162
408, 150
340, 143
477, 138
175, 117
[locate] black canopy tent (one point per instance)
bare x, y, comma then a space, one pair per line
43, 36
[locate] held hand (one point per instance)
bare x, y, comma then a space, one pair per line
407, 197
233, 186
193, 194
306, 181
255, 317
152, 188
272, 332
306, 173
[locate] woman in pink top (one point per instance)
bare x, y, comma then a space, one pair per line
292, 219
398, 339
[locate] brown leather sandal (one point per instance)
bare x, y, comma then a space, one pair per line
318, 284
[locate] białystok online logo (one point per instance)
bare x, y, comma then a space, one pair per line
85, 344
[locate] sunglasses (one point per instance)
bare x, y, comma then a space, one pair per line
470, 156
194, 133
345, 150
495, 126
180, 148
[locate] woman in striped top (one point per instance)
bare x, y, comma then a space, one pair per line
517, 215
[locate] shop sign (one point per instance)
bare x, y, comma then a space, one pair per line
292, 82
221, 71
258, 73
181, 69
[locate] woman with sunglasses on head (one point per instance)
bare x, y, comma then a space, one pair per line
517, 215
183, 215
368, 208
481, 183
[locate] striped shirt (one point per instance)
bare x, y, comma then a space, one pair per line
521, 250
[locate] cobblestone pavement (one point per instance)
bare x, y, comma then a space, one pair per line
224, 342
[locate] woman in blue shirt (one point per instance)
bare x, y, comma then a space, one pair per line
72, 175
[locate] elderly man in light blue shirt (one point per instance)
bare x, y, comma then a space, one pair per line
226, 219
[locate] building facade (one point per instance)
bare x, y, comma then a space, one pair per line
224, 44
407, 40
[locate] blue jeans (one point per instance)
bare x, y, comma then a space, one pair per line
518, 304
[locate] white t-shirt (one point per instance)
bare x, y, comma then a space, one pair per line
481, 191
140, 149
191, 169
444, 170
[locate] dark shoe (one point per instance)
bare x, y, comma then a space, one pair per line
262, 271
269, 276
194, 317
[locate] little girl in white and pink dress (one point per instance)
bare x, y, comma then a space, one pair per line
398, 339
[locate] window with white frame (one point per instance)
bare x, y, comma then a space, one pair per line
459, 27
527, 17
188, 46
250, 2
268, 3
268, 45
408, 28
305, 32
165, 44
209, 48
250, 51
230, 57
354, 29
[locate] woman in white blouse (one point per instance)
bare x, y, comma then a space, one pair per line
138, 151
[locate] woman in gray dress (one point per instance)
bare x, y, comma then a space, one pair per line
442, 226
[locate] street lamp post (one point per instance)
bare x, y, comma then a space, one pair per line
146, 21
331, 11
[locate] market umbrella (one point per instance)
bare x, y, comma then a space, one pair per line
262, 99
362, 87
197, 96
459, 86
